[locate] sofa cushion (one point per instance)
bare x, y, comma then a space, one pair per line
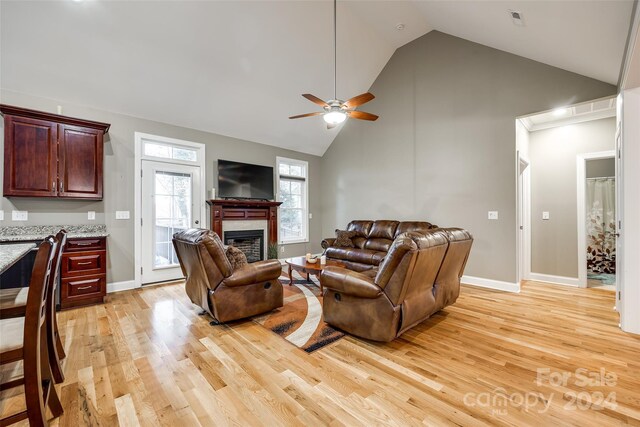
383, 229
419, 226
343, 239
378, 244
361, 228
359, 242
363, 256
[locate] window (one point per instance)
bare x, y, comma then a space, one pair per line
293, 193
153, 149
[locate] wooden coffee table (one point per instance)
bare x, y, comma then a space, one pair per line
301, 265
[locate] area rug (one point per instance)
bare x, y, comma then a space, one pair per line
300, 320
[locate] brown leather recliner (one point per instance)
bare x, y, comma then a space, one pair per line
212, 284
419, 276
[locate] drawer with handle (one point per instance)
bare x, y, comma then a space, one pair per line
82, 264
83, 287
76, 245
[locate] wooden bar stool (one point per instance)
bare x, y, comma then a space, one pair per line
25, 339
13, 304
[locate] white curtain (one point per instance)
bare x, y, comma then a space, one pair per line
601, 225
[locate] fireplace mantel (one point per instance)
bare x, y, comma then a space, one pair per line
243, 210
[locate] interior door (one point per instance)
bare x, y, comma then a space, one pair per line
619, 205
170, 203
523, 215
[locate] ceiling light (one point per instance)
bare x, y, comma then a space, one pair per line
334, 117
560, 112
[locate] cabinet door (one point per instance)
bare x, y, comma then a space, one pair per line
80, 162
30, 158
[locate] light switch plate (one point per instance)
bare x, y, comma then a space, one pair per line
122, 214
492, 215
545, 215
91, 215
19, 215
1, 215
310, 216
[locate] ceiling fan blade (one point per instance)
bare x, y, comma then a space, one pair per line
358, 100
362, 115
299, 116
331, 125
315, 100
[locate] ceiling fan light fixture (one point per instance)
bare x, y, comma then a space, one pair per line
334, 117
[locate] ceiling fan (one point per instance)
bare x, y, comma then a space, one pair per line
336, 111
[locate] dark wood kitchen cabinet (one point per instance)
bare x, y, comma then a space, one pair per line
83, 272
48, 155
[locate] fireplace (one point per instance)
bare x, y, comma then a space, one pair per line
251, 242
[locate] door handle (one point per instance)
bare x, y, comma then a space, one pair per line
197, 222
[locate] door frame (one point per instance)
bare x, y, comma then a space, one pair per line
140, 139
581, 175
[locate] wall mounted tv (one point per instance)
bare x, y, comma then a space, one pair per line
244, 181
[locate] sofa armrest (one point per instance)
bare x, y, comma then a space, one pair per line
261, 271
349, 282
327, 243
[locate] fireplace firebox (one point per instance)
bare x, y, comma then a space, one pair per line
251, 242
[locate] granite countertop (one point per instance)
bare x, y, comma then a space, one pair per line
39, 232
10, 254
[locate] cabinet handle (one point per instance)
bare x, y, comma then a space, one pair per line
54, 186
84, 263
83, 244
62, 186
82, 288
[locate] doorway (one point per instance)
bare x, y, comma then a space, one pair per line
596, 180
170, 196
552, 228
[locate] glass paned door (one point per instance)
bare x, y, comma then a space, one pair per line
170, 203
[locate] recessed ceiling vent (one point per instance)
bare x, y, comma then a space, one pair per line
517, 18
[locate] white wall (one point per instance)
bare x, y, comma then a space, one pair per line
630, 310
553, 153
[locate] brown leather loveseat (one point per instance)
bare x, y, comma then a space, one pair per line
419, 276
372, 241
212, 284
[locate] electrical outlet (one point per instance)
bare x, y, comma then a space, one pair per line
1, 215
91, 215
310, 216
492, 215
545, 215
282, 249
122, 214
19, 215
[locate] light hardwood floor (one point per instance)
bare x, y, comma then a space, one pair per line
146, 358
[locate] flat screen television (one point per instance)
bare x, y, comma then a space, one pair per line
244, 181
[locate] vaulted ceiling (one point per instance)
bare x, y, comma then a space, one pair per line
238, 68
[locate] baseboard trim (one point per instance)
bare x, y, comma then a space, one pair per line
491, 284
121, 286
557, 280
